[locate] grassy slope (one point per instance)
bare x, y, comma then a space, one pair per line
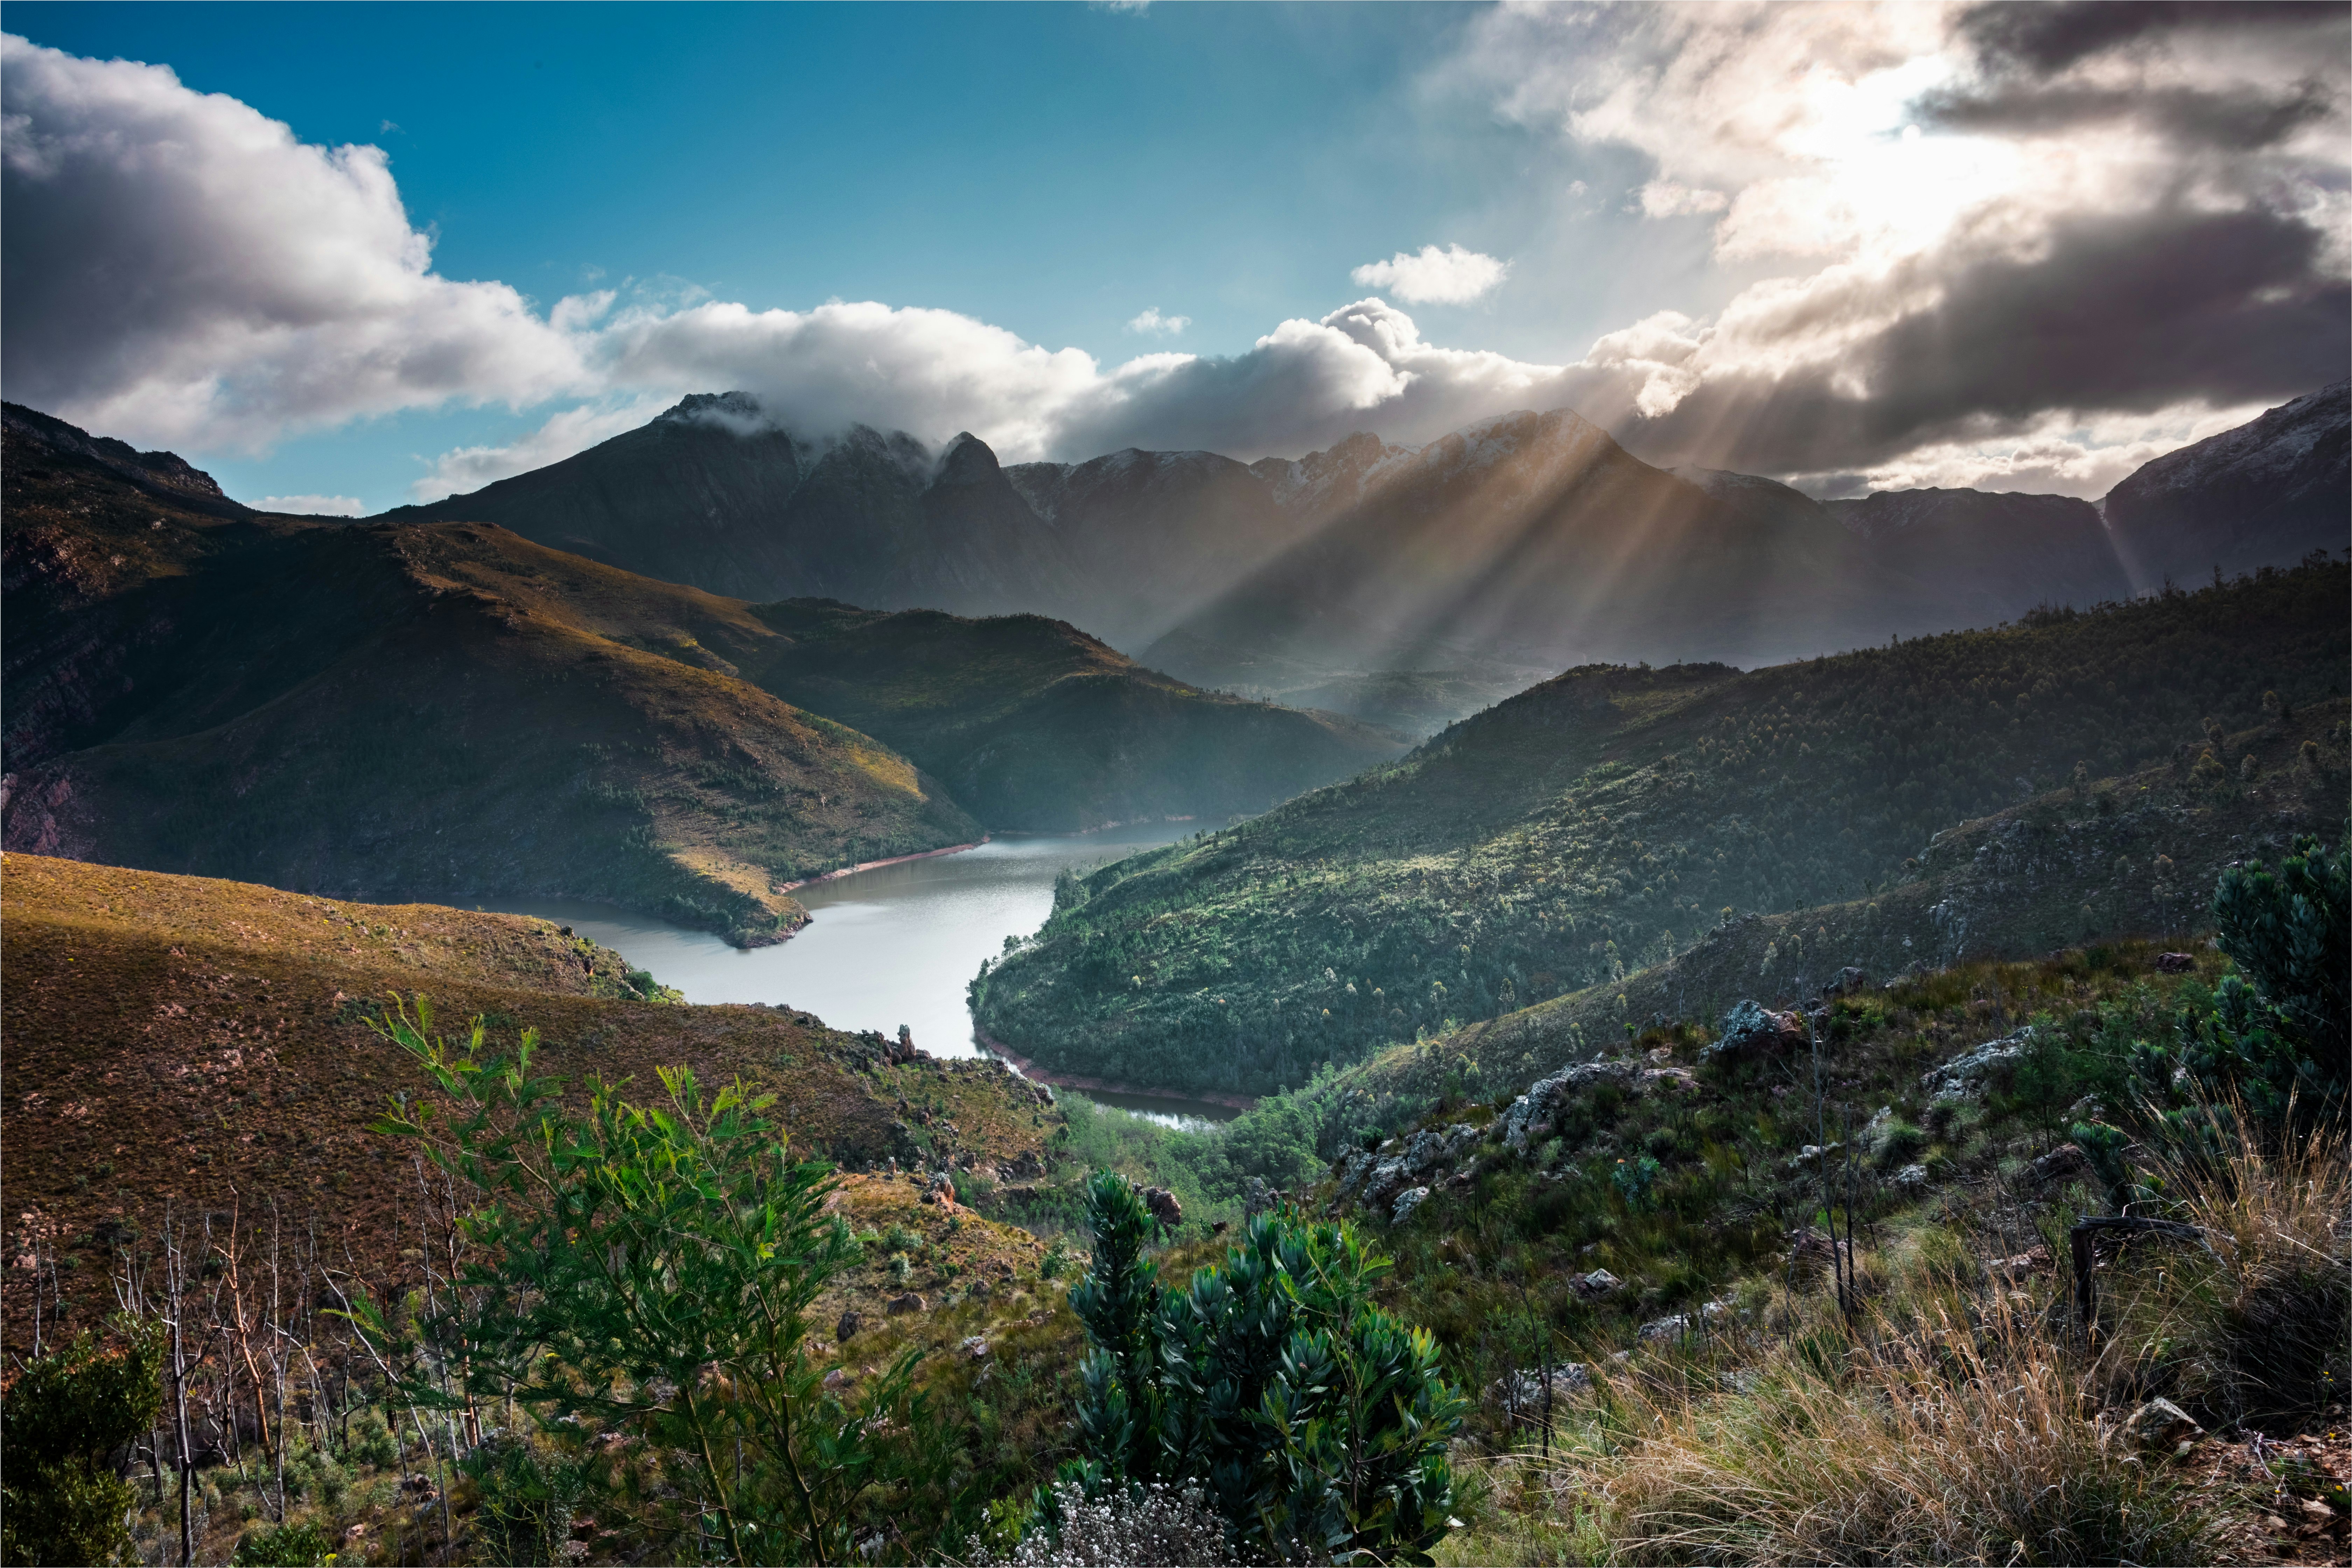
198, 1043
1037, 727
1604, 820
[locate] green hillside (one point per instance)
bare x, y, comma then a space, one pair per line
1606, 820
1037, 727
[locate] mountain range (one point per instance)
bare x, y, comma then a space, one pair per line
452, 709
1477, 562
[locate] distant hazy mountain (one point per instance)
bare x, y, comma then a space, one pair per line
1527, 540
2264, 494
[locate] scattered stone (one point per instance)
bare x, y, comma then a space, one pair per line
1811, 1154
1966, 1075
1593, 1286
1027, 1168
2174, 964
836, 1377
976, 1348
1406, 1203
2159, 1424
1673, 1327
1219, 1228
2066, 1160
846, 1330
2021, 1267
898, 1306
1752, 1029
1911, 1180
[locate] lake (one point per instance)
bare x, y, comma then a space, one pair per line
893, 945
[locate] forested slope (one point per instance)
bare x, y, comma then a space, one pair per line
1606, 820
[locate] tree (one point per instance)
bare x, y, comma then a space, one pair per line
651, 1268
64, 1415
1316, 1423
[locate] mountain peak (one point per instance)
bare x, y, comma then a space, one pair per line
967, 459
737, 411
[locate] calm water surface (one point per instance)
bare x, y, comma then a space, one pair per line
890, 946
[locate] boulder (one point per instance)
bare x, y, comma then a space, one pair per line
1530, 1115
1406, 1203
2159, 1424
1846, 982
1593, 1286
2173, 962
1027, 1168
1751, 1029
1911, 1180
1164, 1206
1966, 1075
846, 1330
899, 1305
2066, 1160
975, 1348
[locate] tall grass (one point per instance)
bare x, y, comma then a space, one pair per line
1960, 1437
2256, 1329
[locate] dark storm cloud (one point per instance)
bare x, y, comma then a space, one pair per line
2120, 314
2043, 37
2229, 121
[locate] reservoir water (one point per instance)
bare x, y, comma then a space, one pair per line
893, 945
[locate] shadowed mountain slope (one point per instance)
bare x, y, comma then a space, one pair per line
2261, 495
1605, 820
451, 709
1037, 727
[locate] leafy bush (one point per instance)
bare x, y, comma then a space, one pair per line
292, 1546
652, 1268
60, 1500
2281, 1032
1317, 1423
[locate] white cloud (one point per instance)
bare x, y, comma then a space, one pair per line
1664, 198
180, 268
1151, 323
313, 506
465, 469
1433, 277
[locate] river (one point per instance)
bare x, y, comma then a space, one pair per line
893, 945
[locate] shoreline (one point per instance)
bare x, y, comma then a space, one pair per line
1079, 1081
893, 860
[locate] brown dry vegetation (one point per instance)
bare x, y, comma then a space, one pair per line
203, 1045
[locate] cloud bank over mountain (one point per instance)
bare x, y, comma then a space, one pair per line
2019, 246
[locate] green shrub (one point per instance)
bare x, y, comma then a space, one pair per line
1316, 1423
291, 1546
64, 1414
637, 1252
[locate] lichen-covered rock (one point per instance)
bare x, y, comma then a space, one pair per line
1530, 1115
1752, 1029
1593, 1286
1966, 1075
1911, 1180
1406, 1203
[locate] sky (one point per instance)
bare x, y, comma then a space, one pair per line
347, 256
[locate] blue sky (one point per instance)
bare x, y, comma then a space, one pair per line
1046, 172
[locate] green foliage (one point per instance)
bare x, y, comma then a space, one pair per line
651, 1268
527, 1498
2282, 1031
1633, 1179
299, 1546
66, 1413
1316, 1423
